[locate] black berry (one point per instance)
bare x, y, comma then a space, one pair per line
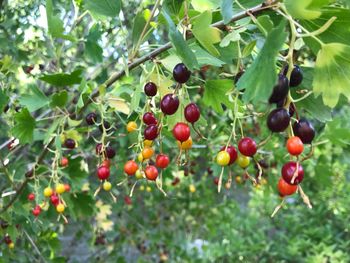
150, 89
181, 73
91, 118
69, 143
280, 91
304, 130
169, 104
296, 76
278, 120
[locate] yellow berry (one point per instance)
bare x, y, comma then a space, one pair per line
140, 157
192, 188
48, 191
186, 145
131, 126
147, 143
138, 174
142, 188
60, 208
148, 189
243, 161
11, 245
238, 179
223, 158
107, 186
60, 189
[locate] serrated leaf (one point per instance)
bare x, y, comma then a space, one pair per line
173, 6
215, 93
118, 104
179, 43
261, 76
24, 126
332, 73
230, 37
34, 101
63, 79
227, 10
104, 7
204, 58
59, 99
3, 100
205, 33
316, 108
265, 23
305, 9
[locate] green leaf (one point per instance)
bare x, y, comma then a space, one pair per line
265, 23
24, 126
173, 7
3, 100
205, 33
181, 46
248, 49
34, 101
204, 58
63, 79
316, 108
104, 7
231, 37
59, 99
203, 5
215, 93
261, 76
135, 99
138, 26
226, 10
93, 50
305, 9
332, 73
74, 123
82, 89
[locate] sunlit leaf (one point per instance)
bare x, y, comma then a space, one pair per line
24, 126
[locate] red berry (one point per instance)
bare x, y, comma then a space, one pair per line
150, 89
216, 180
181, 131
288, 171
36, 211
175, 181
130, 167
67, 187
151, 132
127, 200
169, 104
286, 189
247, 146
162, 161
98, 148
151, 172
103, 172
232, 152
192, 113
295, 146
64, 161
31, 196
181, 73
7, 239
54, 199
149, 118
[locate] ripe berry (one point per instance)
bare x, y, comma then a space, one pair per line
91, 118
48, 191
286, 189
294, 145
175, 181
60, 189
149, 118
192, 113
55, 199
98, 148
232, 152
64, 161
60, 208
186, 145
216, 180
281, 90
181, 131
288, 171
107, 186
131, 126
31, 197
29, 174
36, 211
110, 152
103, 172
127, 200
106, 125
67, 188
304, 130
181, 73
243, 161
106, 163
169, 104
223, 158
151, 132
151, 172
69, 143
162, 161
150, 89
7, 239
130, 167
147, 143
247, 146
278, 120
296, 76
147, 153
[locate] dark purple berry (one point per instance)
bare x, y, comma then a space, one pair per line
149, 118
288, 171
280, 91
169, 104
91, 118
304, 130
151, 132
278, 120
238, 76
192, 113
150, 89
106, 125
69, 143
110, 152
296, 76
181, 73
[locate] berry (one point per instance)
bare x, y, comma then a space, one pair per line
7, 239
106, 125
151, 172
288, 171
64, 162
304, 130
60, 208
162, 160
139, 174
151, 132
103, 172
31, 197
140, 157
11, 245
232, 152
55, 199
29, 174
192, 113
216, 180
295, 146
147, 152
69, 143
107, 186
149, 118
281, 90
48, 191
67, 188
247, 146
148, 189
169, 104
278, 120
186, 145
243, 161
150, 89
36, 211
131, 126
110, 152
181, 73
181, 131
286, 189
60, 189
91, 118
106, 163
130, 167
175, 181
192, 188
127, 200
296, 76
98, 148
223, 158
147, 143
